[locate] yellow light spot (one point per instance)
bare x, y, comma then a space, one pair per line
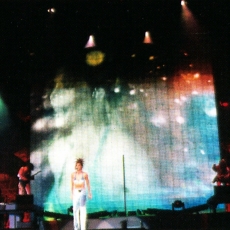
151, 58
95, 58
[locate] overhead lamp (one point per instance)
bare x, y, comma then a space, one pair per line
91, 42
147, 39
51, 10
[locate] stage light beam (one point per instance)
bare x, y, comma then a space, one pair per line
91, 42
147, 39
4, 119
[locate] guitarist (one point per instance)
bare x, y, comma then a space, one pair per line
24, 175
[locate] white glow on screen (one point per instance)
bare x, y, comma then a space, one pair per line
59, 122
99, 93
158, 121
177, 100
183, 98
117, 90
163, 142
132, 92
202, 151
39, 125
195, 92
61, 98
185, 149
211, 112
141, 90
180, 120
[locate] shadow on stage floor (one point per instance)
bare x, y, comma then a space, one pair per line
164, 220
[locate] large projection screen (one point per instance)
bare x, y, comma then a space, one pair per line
159, 136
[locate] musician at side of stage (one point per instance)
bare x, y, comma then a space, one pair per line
24, 175
222, 173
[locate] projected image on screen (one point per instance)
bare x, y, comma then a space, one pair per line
163, 131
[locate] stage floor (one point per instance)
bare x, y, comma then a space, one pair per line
175, 220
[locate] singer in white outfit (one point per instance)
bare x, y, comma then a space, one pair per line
79, 183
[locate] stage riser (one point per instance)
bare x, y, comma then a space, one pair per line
212, 221
110, 223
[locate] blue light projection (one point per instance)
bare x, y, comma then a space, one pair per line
164, 129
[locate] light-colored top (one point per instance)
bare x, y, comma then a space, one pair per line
79, 181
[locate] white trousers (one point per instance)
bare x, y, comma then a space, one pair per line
79, 209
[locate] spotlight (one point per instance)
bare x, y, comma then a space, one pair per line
51, 10
90, 43
147, 39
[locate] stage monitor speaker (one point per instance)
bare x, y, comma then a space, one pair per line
24, 202
24, 199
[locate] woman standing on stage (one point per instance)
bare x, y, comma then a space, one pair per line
79, 182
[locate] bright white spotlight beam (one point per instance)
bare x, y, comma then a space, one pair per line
91, 42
